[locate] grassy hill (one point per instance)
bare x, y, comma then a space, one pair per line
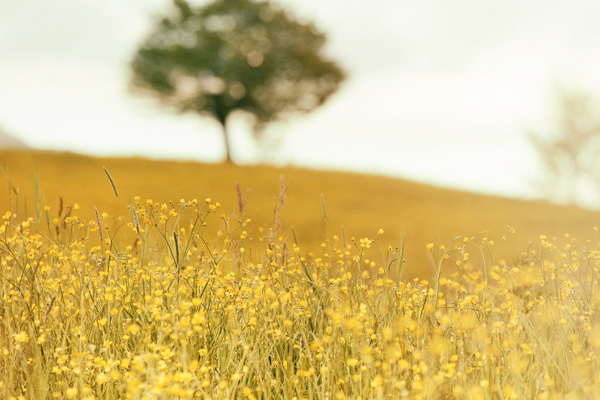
356, 205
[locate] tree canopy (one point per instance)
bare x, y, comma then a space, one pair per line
571, 154
235, 55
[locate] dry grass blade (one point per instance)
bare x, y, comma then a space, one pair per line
99, 222
324, 207
67, 215
136, 221
239, 197
60, 206
282, 190
111, 181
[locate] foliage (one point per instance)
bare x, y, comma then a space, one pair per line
571, 157
235, 55
147, 305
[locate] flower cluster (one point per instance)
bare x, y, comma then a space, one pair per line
150, 306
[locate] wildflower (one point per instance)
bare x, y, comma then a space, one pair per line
133, 329
22, 337
101, 379
377, 381
246, 391
71, 393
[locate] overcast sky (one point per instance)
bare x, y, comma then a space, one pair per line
440, 91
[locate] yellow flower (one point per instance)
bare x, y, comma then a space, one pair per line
365, 243
22, 337
377, 381
133, 328
101, 379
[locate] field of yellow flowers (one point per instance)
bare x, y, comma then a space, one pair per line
187, 299
318, 204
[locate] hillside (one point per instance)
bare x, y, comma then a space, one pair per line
357, 205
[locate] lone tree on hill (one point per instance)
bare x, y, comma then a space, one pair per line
233, 55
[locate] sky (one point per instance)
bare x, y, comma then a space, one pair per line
439, 91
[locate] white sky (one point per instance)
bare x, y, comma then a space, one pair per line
440, 91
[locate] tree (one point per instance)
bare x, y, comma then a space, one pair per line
571, 157
235, 55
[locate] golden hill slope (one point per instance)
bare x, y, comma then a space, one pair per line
360, 203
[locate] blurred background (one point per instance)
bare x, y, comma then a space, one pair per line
481, 95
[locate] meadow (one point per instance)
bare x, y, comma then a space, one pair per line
318, 204
189, 284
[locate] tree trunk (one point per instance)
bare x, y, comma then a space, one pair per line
228, 158
221, 113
